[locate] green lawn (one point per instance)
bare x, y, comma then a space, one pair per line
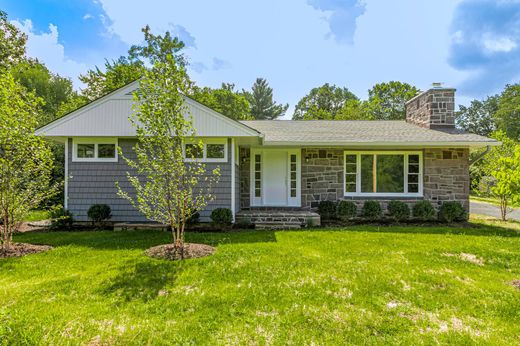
362, 284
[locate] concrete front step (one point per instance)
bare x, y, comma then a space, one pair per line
278, 219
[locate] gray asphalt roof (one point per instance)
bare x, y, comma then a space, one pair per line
344, 131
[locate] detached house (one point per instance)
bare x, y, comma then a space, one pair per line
279, 170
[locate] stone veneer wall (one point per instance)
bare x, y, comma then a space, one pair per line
446, 176
445, 172
432, 109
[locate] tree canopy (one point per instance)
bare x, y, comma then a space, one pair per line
260, 98
322, 103
12, 43
507, 114
225, 100
479, 116
387, 100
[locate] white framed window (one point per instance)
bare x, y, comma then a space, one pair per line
383, 173
94, 150
211, 150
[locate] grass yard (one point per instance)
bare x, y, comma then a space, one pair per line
38, 215
362, 284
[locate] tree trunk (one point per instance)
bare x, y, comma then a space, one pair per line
503, 208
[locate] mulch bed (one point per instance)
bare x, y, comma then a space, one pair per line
191, 250
516, 283
22, 249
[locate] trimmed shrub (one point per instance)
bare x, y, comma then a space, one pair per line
452, 211
424, 211
327, 210
193, 219
399, 211
61, 219
222, 216
99, 213
371, 210
346, 210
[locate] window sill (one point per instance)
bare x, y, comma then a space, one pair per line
394, 197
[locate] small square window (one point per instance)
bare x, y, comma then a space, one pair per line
86, 151
215, 151
106, 151
194, 151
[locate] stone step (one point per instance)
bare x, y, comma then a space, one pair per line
276, 225
139, 226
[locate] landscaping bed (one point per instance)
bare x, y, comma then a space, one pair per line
168, 251
22, 249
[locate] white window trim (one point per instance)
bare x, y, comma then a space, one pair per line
205, 142
358, 192
96, 142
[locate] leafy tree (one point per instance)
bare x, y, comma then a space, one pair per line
508, 113
322, 103
479, 116
355, 110
485, 167
51, 88
25, 159
117, 73
507, 185
12, 43
263, 107
224, 100
167, 189
387, 100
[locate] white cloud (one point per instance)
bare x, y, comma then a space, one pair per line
46, 48
87, 16
498, 44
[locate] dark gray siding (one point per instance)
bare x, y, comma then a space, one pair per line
94, 182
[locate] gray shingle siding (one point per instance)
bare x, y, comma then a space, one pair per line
94, 182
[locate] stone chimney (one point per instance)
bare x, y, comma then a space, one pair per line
433, 109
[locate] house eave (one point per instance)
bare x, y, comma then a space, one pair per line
438, 144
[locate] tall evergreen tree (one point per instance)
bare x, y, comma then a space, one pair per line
263, 107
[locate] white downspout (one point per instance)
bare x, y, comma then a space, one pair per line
66, 176
233, 208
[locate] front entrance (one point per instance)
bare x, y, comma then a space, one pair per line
275, 177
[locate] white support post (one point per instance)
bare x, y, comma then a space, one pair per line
66, 176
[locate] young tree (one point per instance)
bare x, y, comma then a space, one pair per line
479, 116
25, 159
225, 100
387, 100
167, 189
507, 185
263, 107
322, 103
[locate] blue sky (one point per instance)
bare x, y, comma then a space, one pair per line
295, 44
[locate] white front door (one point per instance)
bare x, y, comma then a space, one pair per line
275, 177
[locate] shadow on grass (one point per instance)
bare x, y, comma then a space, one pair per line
144, 280
139, 239
472, 228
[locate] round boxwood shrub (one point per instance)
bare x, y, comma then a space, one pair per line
371, 210
327, 210
346, 210
424, 211
99, 213
61, 219
452, 211
222, 216
399, 211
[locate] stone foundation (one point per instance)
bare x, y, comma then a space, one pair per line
278, 218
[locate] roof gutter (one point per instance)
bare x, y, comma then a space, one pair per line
478, 158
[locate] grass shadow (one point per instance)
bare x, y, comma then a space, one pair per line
141, 240
144, 280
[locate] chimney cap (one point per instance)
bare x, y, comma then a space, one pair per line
437, 85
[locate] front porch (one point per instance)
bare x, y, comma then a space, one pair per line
278, 218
